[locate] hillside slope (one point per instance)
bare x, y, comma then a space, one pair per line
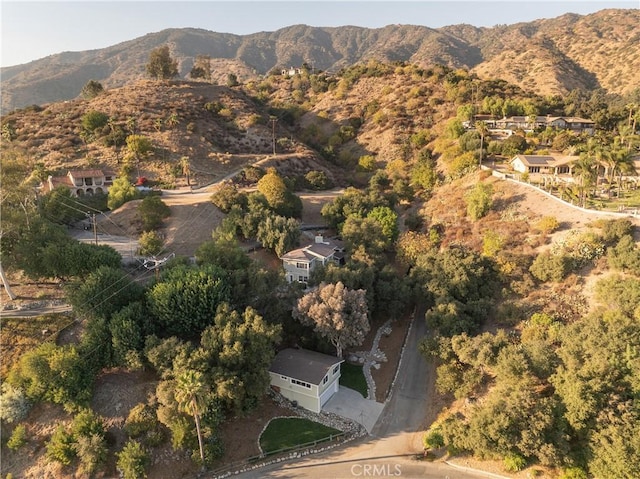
547, 56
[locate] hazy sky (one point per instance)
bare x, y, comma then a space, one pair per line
33, 30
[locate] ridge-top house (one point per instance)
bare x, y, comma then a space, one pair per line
82, 182
304, 376
299, 263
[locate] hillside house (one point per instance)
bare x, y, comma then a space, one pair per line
577, 125
304, 376
82, 182
291, 71
555, 165
299, 263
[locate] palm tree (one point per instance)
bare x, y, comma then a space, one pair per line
584, 169
621, 162
186, 170
190, 394
483, 129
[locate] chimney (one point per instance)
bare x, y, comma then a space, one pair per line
319, 239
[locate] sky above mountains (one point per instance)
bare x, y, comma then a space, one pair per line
33, 30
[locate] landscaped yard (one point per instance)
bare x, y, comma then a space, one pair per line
352, 377
282, 433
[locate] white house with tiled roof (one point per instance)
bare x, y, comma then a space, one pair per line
299, 263
304, 376
82, 182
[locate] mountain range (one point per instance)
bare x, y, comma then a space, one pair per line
545, 56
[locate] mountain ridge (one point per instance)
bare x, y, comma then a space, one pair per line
545, 56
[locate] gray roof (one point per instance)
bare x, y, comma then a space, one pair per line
304, 365
536, 159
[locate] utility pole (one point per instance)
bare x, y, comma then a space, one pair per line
95, 228
273, 133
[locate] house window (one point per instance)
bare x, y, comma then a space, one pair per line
284, 378
563, 170
534, 169
302, 265
301, 383
303, 279
336, 369
325, 379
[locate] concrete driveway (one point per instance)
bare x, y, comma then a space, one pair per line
350, 404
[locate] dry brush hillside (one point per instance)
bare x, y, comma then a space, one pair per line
546, 56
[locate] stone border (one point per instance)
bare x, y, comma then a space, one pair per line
404, 347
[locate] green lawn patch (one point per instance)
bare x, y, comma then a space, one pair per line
352, 377
282, 433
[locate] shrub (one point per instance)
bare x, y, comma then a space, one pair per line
433, 439
18, 437
550, 267
142, 419
547, 224
573, 473
514, 462
479, 200
13, 404
133, 461
318, 180
367, 163
60, 447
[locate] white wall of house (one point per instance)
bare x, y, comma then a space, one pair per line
312, 397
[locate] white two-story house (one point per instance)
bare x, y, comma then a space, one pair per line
299, 263
306, 377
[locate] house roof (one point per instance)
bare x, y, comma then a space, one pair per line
314, 250
86, 173
545, 160
535, 160
304, 365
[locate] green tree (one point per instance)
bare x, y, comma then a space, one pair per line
133, 460
388, 220
161, 65
278, 233
201, 68
152, 210
139, 147
120, 192
18, 200
483, 130
336, 313
186, 299
479, 200
274, 189
227, 195
239, 349
103, 292
128, 328
93, 120
91, 89
151, 243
